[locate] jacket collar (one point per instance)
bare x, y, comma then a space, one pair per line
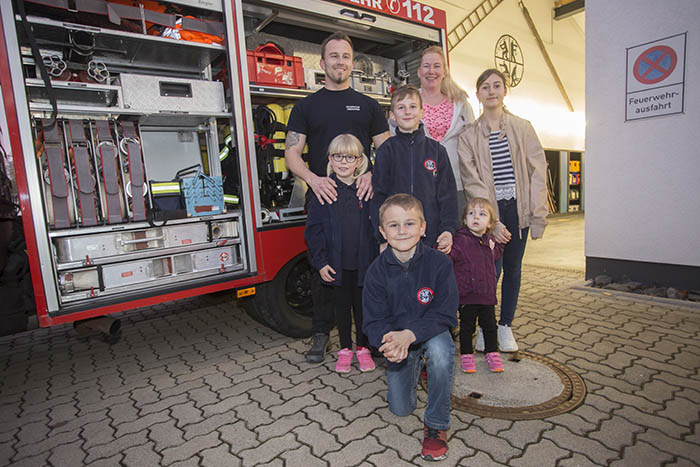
340, 184
418, 135
464, 231
484, 126
392, 259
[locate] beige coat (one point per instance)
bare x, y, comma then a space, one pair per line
529, 165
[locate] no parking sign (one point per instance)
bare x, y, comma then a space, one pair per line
655, 78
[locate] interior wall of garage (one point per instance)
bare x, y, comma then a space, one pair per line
642, 202
537, 97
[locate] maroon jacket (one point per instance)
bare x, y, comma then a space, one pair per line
473, 261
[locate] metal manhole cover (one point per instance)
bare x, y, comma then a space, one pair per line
531, 387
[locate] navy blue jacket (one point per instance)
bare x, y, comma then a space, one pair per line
324, 241
417, 165
422, 297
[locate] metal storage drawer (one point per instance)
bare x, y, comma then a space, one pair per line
87, 248
161, 94
139, 274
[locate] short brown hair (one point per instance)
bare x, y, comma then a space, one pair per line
404, 201
336, 36
482, 203
403, 92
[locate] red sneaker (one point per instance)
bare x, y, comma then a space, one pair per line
434, 444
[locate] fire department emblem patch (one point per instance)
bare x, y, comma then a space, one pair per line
425, 295
430, 165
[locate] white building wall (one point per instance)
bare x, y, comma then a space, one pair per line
642, 198
537, 97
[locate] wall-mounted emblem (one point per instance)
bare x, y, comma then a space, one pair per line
509, 59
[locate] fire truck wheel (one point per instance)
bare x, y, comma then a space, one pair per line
285, 303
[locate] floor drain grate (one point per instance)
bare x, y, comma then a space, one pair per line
488, 404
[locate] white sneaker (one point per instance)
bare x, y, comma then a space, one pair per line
506, 341
479, 347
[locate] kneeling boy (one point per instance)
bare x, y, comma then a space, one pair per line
410, 302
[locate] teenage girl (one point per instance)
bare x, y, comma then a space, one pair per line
502, 160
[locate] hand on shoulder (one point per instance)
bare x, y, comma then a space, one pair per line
324, 189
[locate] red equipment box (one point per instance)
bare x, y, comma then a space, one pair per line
268, 65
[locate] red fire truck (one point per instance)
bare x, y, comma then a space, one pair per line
147, 139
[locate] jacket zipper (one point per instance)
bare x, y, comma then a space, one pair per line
410, 146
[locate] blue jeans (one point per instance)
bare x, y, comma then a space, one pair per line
403, 377
511, 262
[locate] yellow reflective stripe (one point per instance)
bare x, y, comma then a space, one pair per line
224, 153
165, 187
231, 199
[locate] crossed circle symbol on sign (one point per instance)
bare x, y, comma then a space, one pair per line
655, 64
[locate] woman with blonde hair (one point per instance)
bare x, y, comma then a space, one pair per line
446, 109
502, 160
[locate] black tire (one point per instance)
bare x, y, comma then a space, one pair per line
285, 303
16, 292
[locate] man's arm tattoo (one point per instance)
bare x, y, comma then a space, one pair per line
293, 139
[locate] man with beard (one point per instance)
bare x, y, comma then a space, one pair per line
317, 119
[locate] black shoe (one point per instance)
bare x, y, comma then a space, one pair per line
317, 352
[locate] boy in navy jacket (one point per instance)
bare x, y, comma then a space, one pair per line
410, 162
410, 300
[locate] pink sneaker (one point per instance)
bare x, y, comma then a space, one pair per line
344, 360
364, 356
467, 361
494, 361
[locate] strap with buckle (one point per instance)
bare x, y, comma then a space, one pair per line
136, 175
83, 171
53, 147
110, 171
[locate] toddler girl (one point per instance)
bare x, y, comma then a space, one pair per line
340, 238
473, 254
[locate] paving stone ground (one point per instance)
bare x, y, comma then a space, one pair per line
198, 383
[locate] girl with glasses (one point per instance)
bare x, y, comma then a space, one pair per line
342, 245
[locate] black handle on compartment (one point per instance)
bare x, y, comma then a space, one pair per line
368, 17
349, 12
